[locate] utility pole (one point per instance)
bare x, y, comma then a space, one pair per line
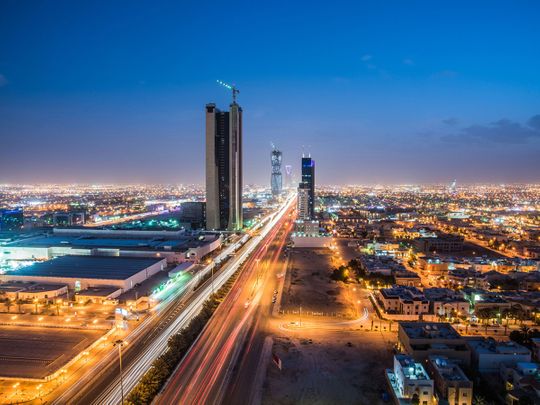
212, 272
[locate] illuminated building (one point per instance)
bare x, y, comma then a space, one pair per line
307, 185
276, 180
423, 339
224, 168
288, 176
306, 190
11, 219
451, 382
173, 246
303, 204
408, 380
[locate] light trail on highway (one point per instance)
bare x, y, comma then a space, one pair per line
202, 374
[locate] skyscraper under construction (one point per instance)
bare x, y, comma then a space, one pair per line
224, 167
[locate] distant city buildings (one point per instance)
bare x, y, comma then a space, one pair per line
69, 218
224, 168
276, 178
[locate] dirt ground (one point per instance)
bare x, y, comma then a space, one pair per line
327, 370
308, 286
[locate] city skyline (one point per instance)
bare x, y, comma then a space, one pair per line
382, 102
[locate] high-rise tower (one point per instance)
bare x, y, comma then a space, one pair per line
276, 180
306, 190
288, 176
224, 167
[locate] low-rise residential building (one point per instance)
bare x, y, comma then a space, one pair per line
451, 384
433, 265
521, 380
441, 243
460, 278
489, 355
403, 300
536, 348
423, 339
481, 299
409, 382
380, 264
408, 278
445, 302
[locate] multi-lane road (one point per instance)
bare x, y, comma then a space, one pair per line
222, 364
99, 383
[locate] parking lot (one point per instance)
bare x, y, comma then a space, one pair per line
28, 352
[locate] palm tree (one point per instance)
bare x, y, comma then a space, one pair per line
20, 303
8, 304
479, 400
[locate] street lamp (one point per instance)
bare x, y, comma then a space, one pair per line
120, 343
212, 263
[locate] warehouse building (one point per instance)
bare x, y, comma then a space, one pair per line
82, 272
176, 247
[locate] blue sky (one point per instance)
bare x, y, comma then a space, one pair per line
379, 92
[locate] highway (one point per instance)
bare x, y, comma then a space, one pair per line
101, 384
203, 375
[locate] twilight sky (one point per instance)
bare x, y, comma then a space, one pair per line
378, 91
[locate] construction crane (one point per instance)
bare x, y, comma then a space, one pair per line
233, 88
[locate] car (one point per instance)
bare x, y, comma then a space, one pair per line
275, 292
247, 304
274, 300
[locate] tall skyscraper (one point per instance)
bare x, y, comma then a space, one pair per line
288, 177
276, 180
224, 167
306, 190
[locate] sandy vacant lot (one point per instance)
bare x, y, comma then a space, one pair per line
37, 352
328, 370
308, 285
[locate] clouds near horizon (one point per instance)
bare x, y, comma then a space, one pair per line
502, 131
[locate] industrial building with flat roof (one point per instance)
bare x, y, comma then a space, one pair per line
175, 246
81, 272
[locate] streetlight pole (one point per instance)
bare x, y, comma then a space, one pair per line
212, 272
120, 343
